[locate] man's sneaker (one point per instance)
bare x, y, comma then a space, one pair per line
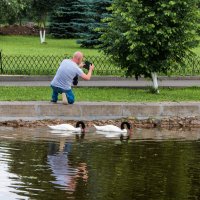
64, 98
53, 101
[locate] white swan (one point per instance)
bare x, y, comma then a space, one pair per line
110, 134
80, 127
108, 129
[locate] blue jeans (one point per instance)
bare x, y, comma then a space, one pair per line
57, 90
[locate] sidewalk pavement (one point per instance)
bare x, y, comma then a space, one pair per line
119, 82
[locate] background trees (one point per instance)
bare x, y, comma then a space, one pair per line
79, 19
99, 10
147, 37
61, 20
13, 10
41, 9
65, 18
72, 19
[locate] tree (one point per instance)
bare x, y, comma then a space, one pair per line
61, 20
13, 10
98, 12
147, 37
85, 21
5, 7
72, 19
40, 11
78, 19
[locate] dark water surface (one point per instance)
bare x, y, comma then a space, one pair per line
152, 164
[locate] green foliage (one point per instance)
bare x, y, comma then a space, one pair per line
13, 11
79, 19
61, 20
92, 35
71, 19
85, 20
146, 36
40, 10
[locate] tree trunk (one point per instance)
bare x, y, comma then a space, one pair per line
42, 35
155, 81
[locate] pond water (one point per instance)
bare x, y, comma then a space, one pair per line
36, 163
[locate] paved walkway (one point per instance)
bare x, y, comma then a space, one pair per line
102, 82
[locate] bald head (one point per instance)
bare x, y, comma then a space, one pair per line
77, 57
78, 54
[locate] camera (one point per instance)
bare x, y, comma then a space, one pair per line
87, 65
75, 80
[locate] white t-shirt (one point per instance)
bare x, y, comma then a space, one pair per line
65, 74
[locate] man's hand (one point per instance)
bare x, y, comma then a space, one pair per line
89, 74
92, 67
87, 65
81, 64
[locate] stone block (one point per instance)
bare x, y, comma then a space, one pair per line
59, 110
141, 110
93, 111
20, 110
180, 110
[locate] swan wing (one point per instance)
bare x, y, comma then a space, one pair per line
98, 128
108, 128
101, 132
113, 128
77, 130
63, 127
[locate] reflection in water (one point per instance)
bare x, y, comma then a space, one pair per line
5, 176
152, 164
63, 172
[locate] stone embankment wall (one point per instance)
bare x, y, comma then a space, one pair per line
146, 115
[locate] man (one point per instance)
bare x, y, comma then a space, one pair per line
68, 69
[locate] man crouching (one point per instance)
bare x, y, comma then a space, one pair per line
62, 81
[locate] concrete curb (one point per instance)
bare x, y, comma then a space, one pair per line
96, 110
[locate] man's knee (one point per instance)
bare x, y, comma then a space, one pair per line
70, 99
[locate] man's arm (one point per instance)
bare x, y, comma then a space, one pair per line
89, 74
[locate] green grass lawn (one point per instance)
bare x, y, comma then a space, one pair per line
40, 65
16, 48
102, 94
29, 45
